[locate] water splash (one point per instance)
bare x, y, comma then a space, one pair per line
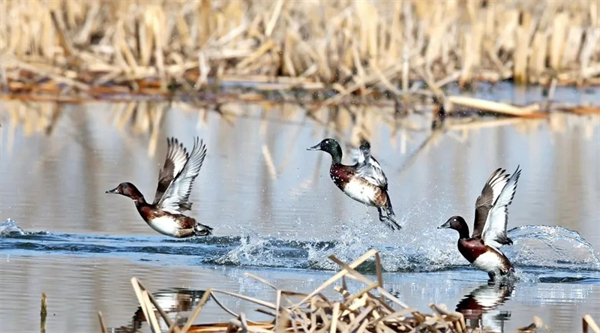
550, 246
409, 252
416, 248
10, 228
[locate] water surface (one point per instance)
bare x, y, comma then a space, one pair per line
276, 213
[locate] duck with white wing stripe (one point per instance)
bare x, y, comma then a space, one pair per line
482, 249
166, 214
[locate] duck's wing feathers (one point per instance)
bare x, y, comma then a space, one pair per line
372, 172
177, 157
368, 167
175, 199
494, 231
491, 190
358, 156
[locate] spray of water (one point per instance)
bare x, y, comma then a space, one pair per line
418, 247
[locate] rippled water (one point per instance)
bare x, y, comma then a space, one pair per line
277, 214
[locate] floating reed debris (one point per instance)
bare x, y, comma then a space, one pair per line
370, 309
94, 48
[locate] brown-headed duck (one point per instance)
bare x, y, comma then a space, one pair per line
482, 249
175, 180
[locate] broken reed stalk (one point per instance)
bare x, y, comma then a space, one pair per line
196, 313
590, 324
43, 313
142, 296
358, 312
102, 324
162, 313
94, 48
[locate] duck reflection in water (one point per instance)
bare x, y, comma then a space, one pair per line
175, 303
479, 306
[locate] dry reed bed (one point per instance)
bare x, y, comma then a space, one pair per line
100, 47
370, 309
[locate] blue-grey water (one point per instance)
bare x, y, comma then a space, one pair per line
276, 213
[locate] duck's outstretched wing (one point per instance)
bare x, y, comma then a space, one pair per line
489, 194
368, 167
175, 199
494, 232
176, 159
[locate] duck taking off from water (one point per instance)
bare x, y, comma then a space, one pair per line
482, 250
175, 179
364, 181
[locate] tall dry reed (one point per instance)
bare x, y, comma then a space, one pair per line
103, 46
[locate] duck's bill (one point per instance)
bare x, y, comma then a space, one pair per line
114, 190
315, 147
445, 225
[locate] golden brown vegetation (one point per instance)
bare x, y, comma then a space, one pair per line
369, 309
99, 47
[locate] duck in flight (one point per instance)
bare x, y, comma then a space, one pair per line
175, 179
364, 181
482, 249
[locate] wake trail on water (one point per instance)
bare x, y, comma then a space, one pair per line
415, 248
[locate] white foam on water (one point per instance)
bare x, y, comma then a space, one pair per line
10, 228
418, 247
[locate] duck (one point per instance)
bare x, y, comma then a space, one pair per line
364, 181
482, 249
166, 213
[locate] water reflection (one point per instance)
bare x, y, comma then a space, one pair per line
177, 303
479, 306
349, 123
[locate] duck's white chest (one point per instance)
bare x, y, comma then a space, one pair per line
489, 262
359, 191
165, 225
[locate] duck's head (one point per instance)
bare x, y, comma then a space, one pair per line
457, 223
330, 146
128, 190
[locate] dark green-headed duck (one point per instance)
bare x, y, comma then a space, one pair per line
364, 181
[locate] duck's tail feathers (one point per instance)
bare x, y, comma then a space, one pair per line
202, 230
365, 148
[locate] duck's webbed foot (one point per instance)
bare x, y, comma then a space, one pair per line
389, 221
202, 230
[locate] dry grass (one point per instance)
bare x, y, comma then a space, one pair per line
94, 48
369, 309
